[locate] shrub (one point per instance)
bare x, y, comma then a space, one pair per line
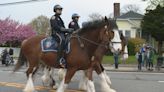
134, 45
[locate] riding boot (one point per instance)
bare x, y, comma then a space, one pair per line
60, 58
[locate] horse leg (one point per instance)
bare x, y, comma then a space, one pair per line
46, 77
29, 73
64, 84
90, 84
83, 81
105, 87
53, 84
106, 76
61, 74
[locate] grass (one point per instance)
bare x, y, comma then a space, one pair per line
110, 60
130, 60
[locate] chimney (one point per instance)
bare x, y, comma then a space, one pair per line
116, 10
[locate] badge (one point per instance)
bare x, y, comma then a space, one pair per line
72, 23
53, 17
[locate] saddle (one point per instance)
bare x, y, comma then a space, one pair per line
50, 44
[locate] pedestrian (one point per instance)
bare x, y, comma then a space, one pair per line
142, 50
116, 56
139, 59
150, 58
4, 54
11, 53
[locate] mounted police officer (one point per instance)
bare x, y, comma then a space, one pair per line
74, 23
58, 32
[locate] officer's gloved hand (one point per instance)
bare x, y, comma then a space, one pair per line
63, 29
70, 30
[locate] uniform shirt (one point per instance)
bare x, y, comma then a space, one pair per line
74, 25
56, 24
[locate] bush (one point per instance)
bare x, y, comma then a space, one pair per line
134, 45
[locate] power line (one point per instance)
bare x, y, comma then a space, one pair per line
21, 2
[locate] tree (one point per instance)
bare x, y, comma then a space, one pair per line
41, 25
153, 24
95, 16
154, 3
130, 7
12, 32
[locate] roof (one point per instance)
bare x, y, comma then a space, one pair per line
131, 15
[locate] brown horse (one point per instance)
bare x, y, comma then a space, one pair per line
118, 42
97, 57
79, 58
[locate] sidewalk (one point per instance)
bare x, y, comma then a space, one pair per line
129, 68
108, 67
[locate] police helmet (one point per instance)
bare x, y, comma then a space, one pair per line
75, 15
57, 7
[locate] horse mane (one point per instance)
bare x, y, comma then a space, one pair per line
95, 24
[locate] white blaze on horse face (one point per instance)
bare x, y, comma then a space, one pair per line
116, 41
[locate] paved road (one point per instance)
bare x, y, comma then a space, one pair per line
121, 81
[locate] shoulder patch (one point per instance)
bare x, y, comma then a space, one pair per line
72, 23
53, 17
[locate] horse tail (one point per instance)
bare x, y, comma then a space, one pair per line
21, 60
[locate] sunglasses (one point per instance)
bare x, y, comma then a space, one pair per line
59, 9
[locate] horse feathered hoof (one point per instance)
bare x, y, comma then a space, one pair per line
61, 74
55, 86
112, 90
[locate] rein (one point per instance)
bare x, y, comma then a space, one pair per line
90, 41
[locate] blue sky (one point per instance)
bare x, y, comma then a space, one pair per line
26, 12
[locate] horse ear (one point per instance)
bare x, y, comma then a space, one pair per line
106, 19
121, 36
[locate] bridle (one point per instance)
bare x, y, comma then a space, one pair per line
103, 44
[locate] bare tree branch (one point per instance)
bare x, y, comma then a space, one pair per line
95, 16
130, 7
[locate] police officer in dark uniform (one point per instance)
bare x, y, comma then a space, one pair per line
58, 32
74, 23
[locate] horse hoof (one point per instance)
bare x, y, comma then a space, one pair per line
112, 90
55, 86
29, 90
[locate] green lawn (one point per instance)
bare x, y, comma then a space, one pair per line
110, 60
130, 60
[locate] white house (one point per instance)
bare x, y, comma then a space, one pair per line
129, 24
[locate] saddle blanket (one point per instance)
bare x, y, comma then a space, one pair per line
50, 44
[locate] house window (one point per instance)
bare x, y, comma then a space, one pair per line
127, 33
